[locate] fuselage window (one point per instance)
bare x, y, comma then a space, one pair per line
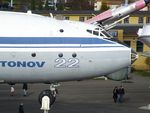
60, 55
33, 54
61, 30
74, 55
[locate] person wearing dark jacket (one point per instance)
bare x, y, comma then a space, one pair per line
21, 110
115, 94
25, 88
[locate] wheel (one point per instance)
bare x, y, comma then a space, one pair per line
49, 94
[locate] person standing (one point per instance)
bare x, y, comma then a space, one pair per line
12, 90
21, 109
25, 88
121, 93
115, 94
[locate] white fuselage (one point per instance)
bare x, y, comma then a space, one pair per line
34, 48
144, 34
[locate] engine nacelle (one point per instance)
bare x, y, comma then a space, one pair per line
119, 75
144, 35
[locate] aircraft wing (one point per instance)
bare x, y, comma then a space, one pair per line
101, 17
146, 54
110, 16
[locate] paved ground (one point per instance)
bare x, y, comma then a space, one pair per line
90, 96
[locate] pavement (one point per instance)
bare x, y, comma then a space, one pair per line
89, 96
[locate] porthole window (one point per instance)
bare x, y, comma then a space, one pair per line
60, 55
74, 55
33, 54
61, 30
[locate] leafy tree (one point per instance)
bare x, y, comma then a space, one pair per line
60, 6
80, 4
32, 6
0, 1
46, 5
40, 7
24, 5
104, 6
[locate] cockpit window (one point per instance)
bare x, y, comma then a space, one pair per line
90, 31
96, 28
99, 32
96, 33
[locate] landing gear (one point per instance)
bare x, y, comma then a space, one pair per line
51, 93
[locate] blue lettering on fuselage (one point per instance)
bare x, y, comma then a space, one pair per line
22, 64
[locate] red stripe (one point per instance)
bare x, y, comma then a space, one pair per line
100, 17
140, 4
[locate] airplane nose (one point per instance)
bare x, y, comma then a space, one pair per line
134, 56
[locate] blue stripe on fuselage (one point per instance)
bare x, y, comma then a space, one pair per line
52, 40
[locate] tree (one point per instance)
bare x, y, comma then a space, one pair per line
23, 5
46, 5
40, 7
0, 1
80, 5
32, 6
104, 6
60, 6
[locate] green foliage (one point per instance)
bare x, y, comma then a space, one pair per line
143, 73
60, 7
32, 6
46, 6
104, 6
40, 7
38, 4
79, 5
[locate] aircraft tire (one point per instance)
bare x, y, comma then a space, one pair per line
49, 94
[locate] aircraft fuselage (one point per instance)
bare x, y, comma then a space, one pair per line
40, 49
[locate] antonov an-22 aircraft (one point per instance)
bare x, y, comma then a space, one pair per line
38, 49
